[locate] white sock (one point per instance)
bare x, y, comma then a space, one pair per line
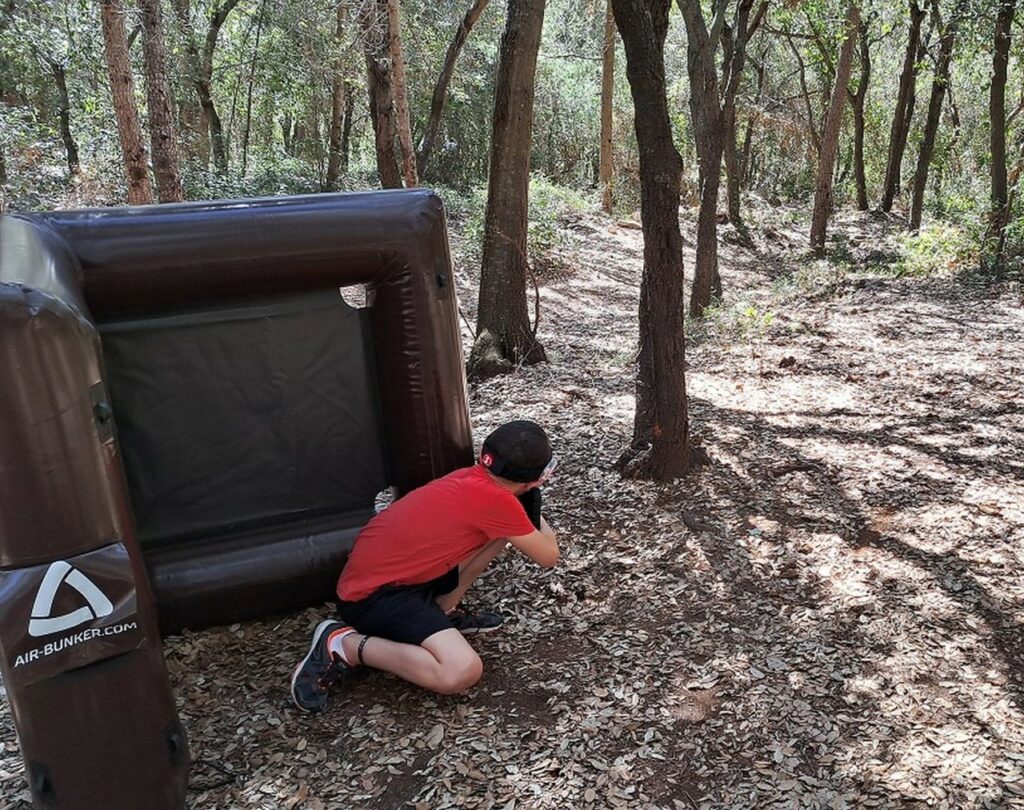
335, 646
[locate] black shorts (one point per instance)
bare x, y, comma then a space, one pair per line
404, 613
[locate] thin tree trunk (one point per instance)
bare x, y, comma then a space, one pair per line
812, 126
339, 101
440, 93
346, 130
286, 135
830, 133
707, 133
64, 114
999, 217
379, 89
122, 88
939, 80
606, 165
201, 69
248, 97
746, 165
709, 119
903, 113
220, 150
858, 100
734, 61
401, 93
163, 133
504, 337
660, 448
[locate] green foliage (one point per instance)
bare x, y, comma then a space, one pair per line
549, 203
941, 248
741, 323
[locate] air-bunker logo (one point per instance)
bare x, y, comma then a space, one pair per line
92, 594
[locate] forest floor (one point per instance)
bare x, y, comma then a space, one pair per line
828, 614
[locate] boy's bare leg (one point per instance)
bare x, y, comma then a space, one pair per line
469, 570
443, 663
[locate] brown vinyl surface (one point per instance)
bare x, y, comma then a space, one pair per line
79, 640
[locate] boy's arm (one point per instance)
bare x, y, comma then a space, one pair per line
541, 545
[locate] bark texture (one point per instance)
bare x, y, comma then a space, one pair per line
711, 106
857, 100
401, 93
605, 172
339, 99
163, 134
440, 93
381, 100
661, 447
940, 79
504, 337
64, 115
829, 139
904, 111
731, 153
122, 88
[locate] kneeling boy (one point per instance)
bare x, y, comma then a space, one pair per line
400, 589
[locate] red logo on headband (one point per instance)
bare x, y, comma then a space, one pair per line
487, 459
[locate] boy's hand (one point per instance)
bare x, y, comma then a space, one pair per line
531, 503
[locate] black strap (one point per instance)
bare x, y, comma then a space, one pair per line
359, 650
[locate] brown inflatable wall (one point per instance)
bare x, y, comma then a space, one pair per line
79, 644
78, 637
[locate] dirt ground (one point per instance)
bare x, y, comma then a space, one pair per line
828, 614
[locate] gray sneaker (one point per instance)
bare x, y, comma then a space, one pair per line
468, 621
319, 670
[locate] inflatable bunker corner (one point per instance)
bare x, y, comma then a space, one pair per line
194, 425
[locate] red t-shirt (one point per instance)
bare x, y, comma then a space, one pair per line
430, 531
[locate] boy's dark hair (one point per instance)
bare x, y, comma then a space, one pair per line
517, 451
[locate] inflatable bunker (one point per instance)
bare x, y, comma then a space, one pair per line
194, 425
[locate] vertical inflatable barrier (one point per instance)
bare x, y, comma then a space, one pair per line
79, 646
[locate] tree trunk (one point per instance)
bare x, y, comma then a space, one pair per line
904, 109
441, 85
503, 334
931, 127
858, 118
709, 120
339, 102
248, 95
379, 89
346, 130
606, 165
746, 172
286, 135
201, 68
163, 133
999, 217
660, 448
122, 88
64, 113
830, 133
734, 61
401, 93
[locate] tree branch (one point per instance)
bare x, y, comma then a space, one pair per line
807, 96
